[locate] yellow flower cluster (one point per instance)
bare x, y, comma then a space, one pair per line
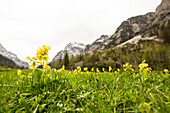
143, 65
128, 66
42, 52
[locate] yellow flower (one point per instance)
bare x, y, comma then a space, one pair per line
85, 69
143, 65
19, 72
23, 76
47, 47
103, 69
39, 51
166, 71
110, 69
44, 50
126, 65
97, 70
148, 69
39, 56
31, 66
116, 72
92, 69
79, 68
63, 68
45, 57
28, 58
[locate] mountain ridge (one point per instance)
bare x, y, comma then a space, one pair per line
13, 57
72, 48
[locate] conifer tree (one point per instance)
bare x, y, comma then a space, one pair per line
66, 60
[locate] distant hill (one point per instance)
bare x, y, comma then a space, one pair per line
7, 63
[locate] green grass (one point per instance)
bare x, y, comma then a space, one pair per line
76, 91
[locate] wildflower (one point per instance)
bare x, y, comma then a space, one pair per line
63, 67
148, 69
103, 69
110, 69
44, 50
39, 51
39, 56
166, 71
28, 58
23, 76
92, 69
78, 68
116, 72
126, 65
97, 70
45, 57
46, 47
19, 72
75, 71
143, 65
85, 69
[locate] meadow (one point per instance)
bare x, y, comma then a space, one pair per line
83, 90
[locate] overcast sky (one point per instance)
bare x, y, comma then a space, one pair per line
27, 24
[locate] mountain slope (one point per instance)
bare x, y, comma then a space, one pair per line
12, 57
148, 25
98, 44
127, 30
73, 48
5, 62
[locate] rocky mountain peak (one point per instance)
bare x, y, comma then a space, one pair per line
74, 45
73, 48
98, 44
162, 12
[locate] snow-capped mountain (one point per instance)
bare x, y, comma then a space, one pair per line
13, 57
73, 48
98, 44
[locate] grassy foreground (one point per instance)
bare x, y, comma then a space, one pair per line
53, 90
83, 90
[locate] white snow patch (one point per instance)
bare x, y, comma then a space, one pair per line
137, 38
